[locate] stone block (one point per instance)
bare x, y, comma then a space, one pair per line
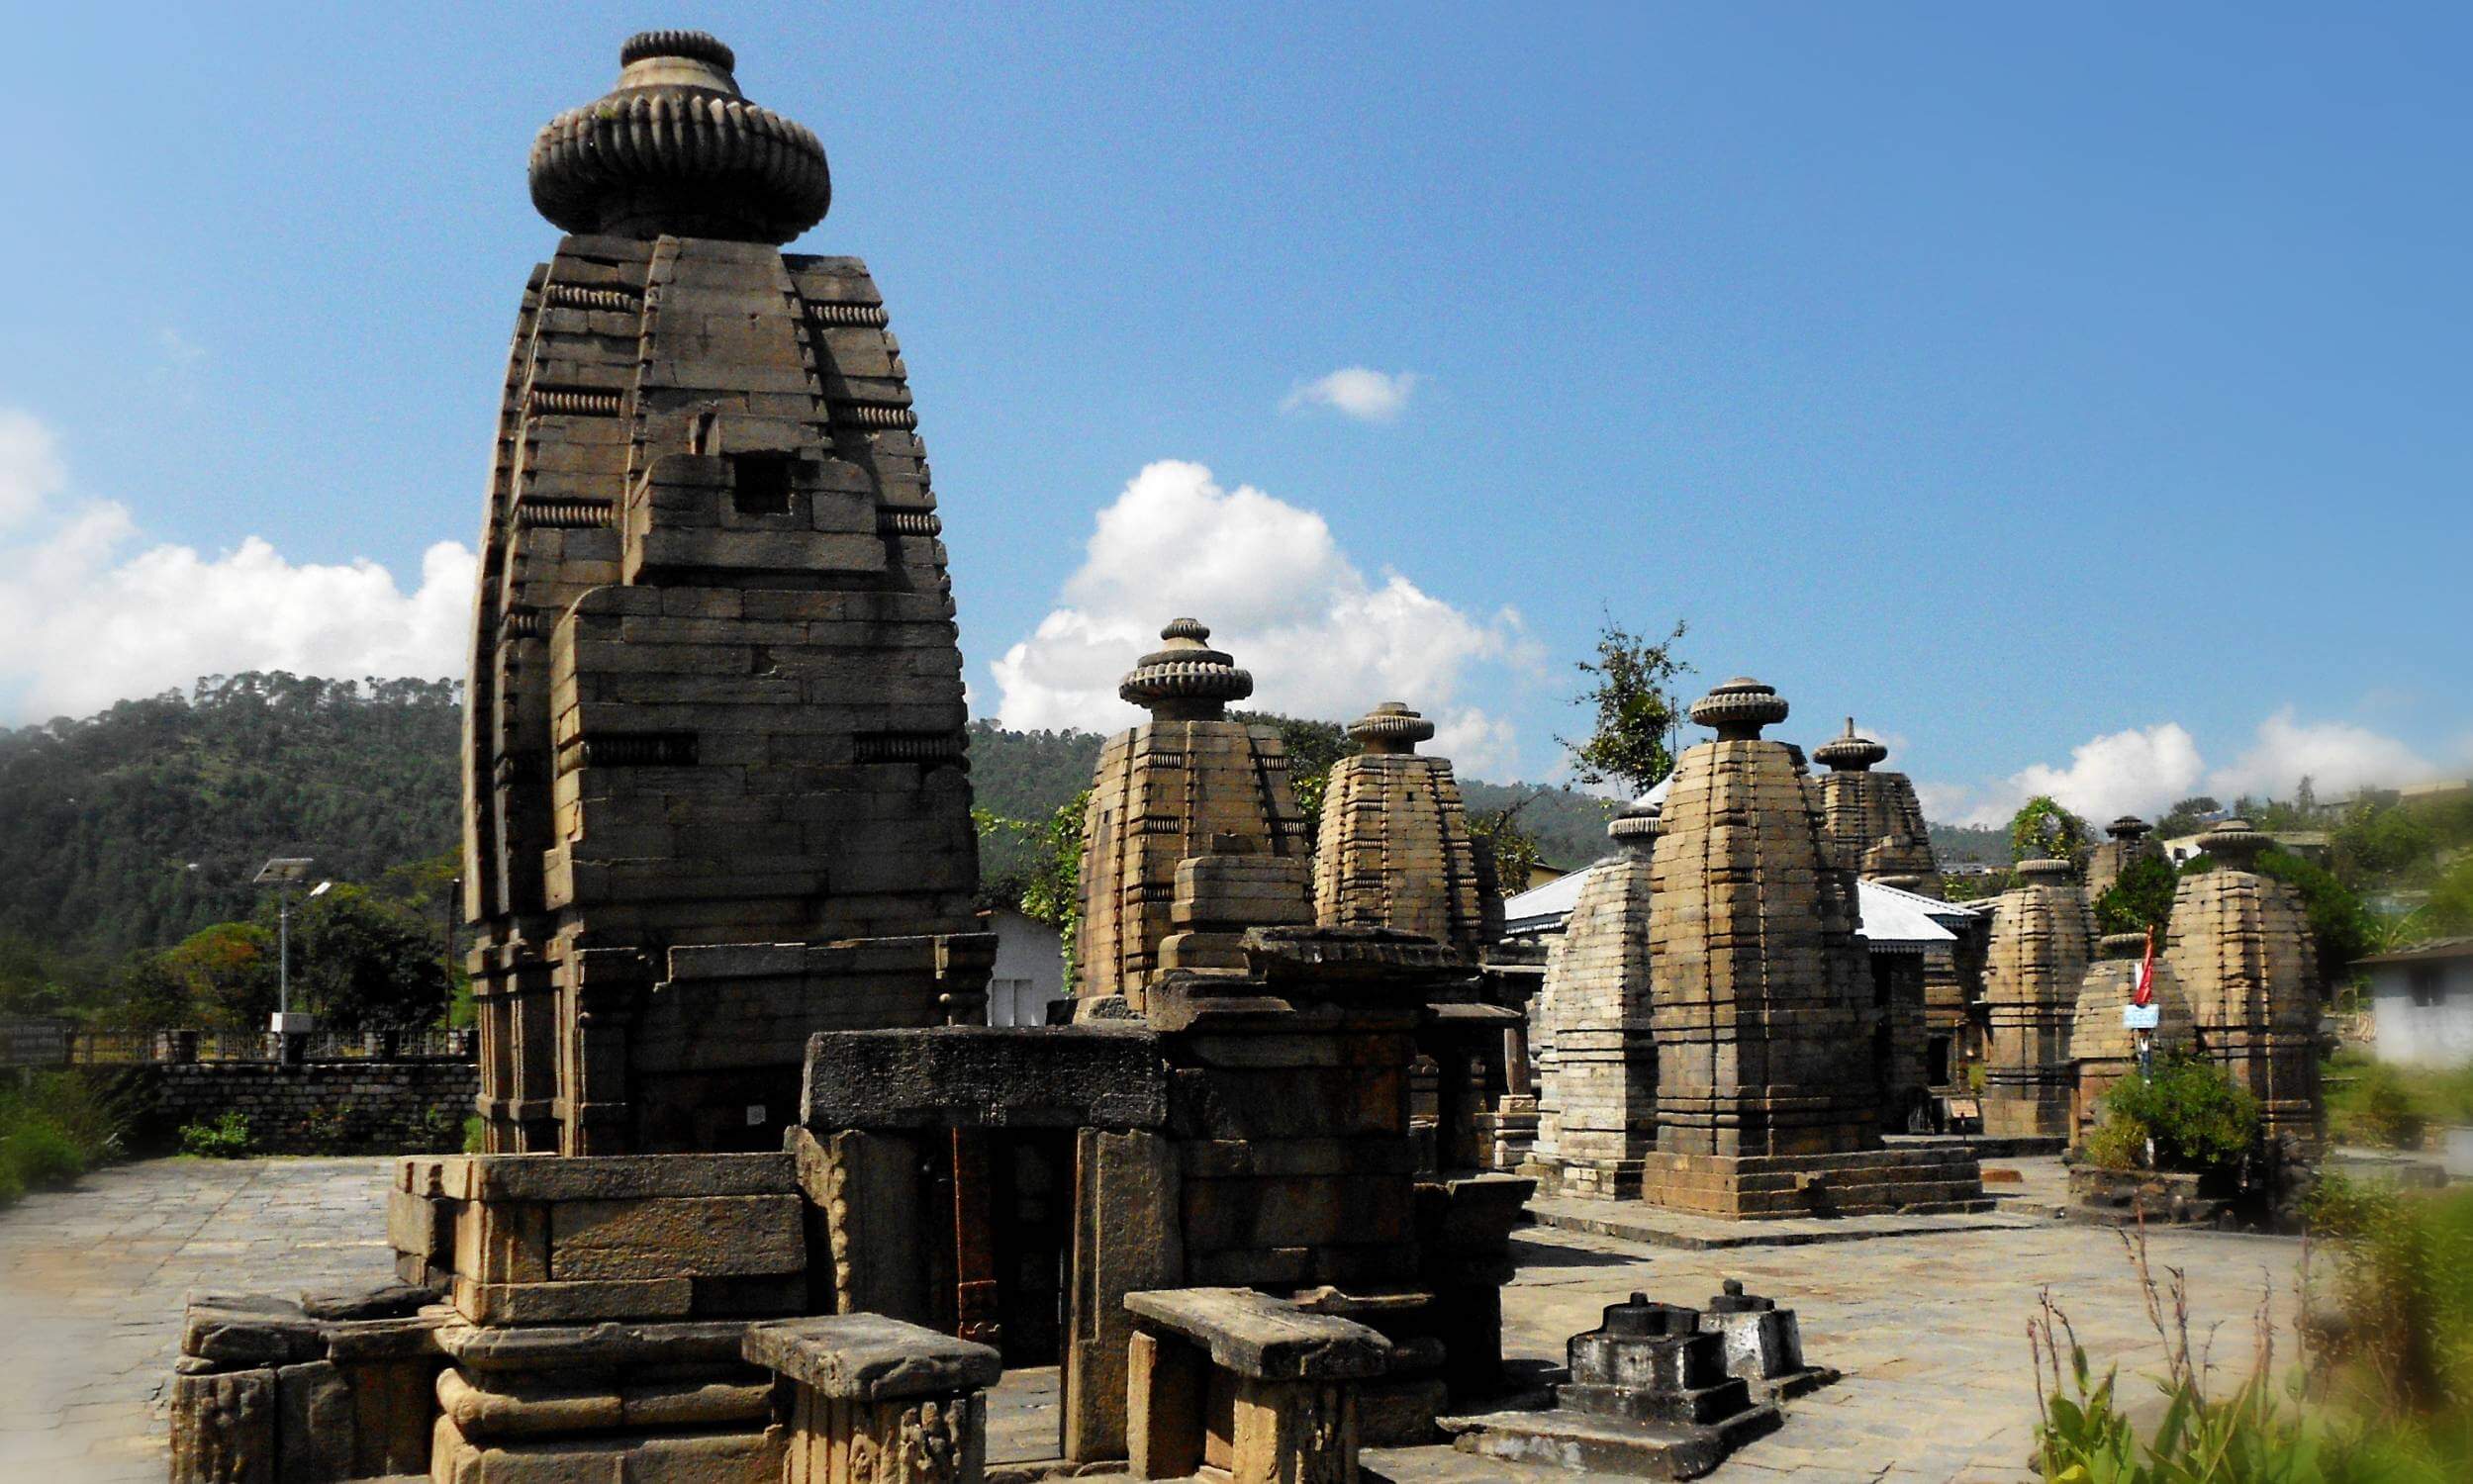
866, 1357
1255, 1335
564, 1303
224, 1428
980, 1077
240, 1329
667, 1236
562, 1177
314, 1424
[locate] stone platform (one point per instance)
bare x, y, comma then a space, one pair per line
1926, 1328
1899, 1181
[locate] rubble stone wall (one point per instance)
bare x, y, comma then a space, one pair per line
312, 1107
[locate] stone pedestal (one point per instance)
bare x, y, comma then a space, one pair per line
336, 1387
1650, 1396
876, 1400
1237, 1382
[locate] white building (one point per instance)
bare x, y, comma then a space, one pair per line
1029, 970
2422, 1003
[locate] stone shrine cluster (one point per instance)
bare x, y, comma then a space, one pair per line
759, 1198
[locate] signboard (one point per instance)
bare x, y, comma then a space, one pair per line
2140, 1017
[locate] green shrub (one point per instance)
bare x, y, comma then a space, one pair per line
2384, 1113
476, 1136
227, 1138
2198, 1121
2115, 1143
12, 1185
41, 1153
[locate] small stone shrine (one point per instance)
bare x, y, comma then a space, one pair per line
2106, 1048
1762, 1006
713, 782
2127, 841
2240, 949
1872, 819
1651, 1396
2043, 939
1162, 794
1393, 849
1597, 1059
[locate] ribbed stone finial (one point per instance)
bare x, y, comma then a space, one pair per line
1850, 752
2128, 827
2047, 871
2121, 945
2235, 843
1635, 829
1186, 679
1739, 708
1391, 727
675, 151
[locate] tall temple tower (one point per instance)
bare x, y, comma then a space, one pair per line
1875, 823
1395, 849
2043, 941
2240, 949
2131, 840
1187, 782
714, 796
1762, 1012
1594, 1041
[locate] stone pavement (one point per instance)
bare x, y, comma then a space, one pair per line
1930, 1330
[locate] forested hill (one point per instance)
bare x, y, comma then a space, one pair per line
136, 827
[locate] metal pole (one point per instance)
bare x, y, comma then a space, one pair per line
283, 952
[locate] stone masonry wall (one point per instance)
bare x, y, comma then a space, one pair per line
311, 1108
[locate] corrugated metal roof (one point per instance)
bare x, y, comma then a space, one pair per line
1892, 919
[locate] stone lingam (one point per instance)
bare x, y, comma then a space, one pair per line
1651, 1394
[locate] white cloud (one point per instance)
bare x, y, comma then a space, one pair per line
2336, 757
2146, 772
1365, 395
1320, 638
95, 615
2136, 772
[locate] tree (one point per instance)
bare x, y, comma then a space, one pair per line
1631, 688
225, 974
1043, 880
2042, 830
1313, 748
2139, 900
366, 964
2188, 817
1514, 851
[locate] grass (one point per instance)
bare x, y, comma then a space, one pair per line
54, 1128
2381, 1106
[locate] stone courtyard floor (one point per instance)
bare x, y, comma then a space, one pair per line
1928, 1329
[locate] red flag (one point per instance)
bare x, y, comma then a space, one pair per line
2144, 993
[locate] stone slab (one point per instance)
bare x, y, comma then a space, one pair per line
1255, 1335
1632, 1221
985, 1076
866, 1357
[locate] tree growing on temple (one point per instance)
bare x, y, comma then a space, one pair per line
2042, 830
1631, 690
2139, 900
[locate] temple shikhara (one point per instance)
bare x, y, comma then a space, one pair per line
757, 1192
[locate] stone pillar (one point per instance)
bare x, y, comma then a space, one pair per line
2043, 939
876, 1400
1247, 1384
1128, 1236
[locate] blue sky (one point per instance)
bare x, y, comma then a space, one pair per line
2076, 389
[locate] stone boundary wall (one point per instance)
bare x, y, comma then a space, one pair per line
310, 1108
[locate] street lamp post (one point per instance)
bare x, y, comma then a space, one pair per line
283, 873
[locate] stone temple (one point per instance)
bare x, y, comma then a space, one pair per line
713, 757
1762, 1013
1594, 1039
2105, 1050
1874, 822
1395, 849
2240, 951
2042, 940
